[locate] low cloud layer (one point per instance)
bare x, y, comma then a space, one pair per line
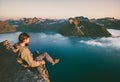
113, 42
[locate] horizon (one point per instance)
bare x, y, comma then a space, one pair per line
4, 19
14, 9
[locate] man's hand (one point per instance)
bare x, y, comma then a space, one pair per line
43, 62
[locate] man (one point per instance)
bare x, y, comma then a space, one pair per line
25, 57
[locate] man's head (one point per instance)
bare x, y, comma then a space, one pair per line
24, 38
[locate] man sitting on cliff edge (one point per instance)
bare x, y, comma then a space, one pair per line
25, 57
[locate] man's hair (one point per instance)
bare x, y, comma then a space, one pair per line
22, 37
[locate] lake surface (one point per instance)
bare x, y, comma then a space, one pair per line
81, 59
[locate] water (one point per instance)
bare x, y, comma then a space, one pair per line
81, 59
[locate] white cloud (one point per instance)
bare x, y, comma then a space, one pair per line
92, 42
12, 37
111, 42
114, 32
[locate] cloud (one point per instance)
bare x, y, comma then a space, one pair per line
92, 42
111, 42
50, 36
114, 32
55, 38
12, 37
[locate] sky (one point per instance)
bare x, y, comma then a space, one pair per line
59, 8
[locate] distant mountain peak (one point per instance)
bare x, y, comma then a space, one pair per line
5, 27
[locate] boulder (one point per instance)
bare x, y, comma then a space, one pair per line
11, 71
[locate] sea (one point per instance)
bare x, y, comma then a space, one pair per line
82, 59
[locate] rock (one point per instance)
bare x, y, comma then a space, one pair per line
11, 71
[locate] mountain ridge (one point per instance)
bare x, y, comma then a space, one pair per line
85, 27
5, 27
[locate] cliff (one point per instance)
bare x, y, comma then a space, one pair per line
11, 71
5, 27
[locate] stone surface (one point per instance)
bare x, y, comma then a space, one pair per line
11, 71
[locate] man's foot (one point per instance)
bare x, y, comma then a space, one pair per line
56, 61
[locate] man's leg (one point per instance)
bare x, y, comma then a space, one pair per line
48, 58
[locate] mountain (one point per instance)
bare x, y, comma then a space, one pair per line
107, 22
5, 27
77, 26
39, 24
81, 26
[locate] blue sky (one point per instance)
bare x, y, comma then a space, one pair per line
59, 8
